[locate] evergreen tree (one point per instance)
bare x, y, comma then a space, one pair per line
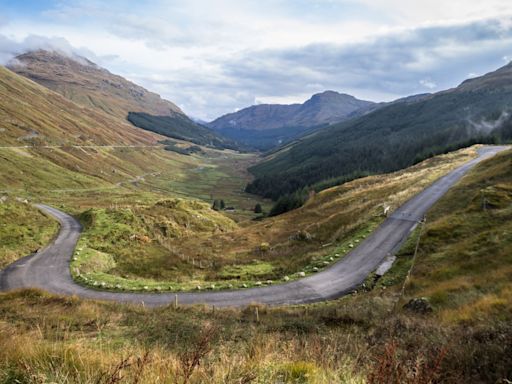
257, 208
289, 202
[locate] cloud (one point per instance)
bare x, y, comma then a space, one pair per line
486, 126
387, 64
428, 84
384, 67
9, 48
212, 58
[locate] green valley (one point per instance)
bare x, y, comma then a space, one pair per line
364, 337
392, 137
336, 240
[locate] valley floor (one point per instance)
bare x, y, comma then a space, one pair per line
463, 334
181, 245
50, 270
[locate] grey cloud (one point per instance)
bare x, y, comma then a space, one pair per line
156, 33
399, 64
139, 24
393, 64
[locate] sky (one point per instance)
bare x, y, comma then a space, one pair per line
212, 57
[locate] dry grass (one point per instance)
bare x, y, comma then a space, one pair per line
464, 263
333, 218
80, 342
33, 114
353, 340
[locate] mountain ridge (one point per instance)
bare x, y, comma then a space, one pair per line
35, 115
86, 83
393, 137
266, 125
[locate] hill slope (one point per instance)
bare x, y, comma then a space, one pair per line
394, 136
32, 114
464, 260
87, 84
363, 337
267, 125
52, 148
182, 128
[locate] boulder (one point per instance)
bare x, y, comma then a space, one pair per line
302, 236
419, 305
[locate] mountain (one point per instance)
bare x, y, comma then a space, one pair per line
86, 83
31, 114
267, 125
51, 147
392, 137
49, 143
82, 81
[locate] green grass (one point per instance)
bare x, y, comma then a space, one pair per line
243, 272
23, 230
132, 250
162, 247
69, 175
395, 276
464, 261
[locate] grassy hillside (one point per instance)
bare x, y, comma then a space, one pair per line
362, 338
87, 84
23, 230
464, 261
393, 137
50, 144
31, 114
138, 241
324, 230
55, 151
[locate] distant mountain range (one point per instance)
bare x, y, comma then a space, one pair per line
392, 137
267, 125
85, 83
97, 107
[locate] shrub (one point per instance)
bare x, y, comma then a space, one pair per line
297, 372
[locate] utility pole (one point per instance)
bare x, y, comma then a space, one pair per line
409, 273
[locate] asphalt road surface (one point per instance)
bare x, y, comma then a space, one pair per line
49, 268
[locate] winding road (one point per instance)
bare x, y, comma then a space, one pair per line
49, 268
